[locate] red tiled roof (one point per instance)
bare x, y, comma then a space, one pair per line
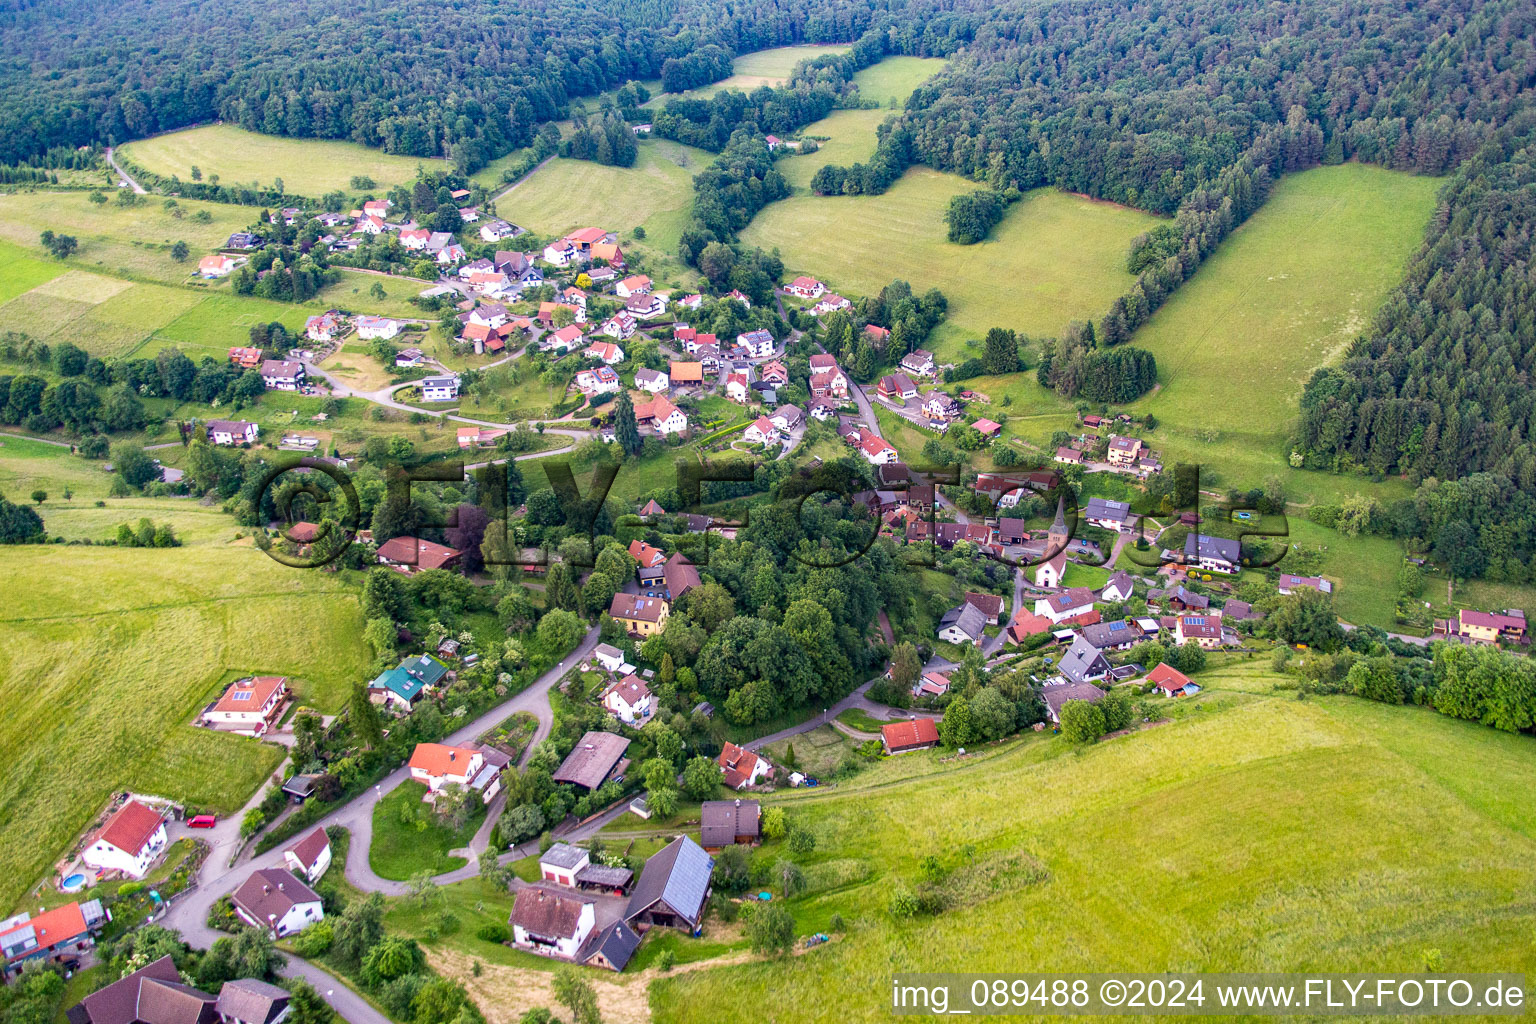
249, 694
1167, 678
309, 848
902, 735
737, 763
438, 759
424, 553
130, 827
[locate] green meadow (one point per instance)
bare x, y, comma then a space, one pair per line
1055, 257
1253, 833
112, 652
126, 241
656, 194
307, 167
1285, 294
751, 70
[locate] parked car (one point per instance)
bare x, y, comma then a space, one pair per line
202, 821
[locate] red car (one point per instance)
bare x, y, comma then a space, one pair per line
203, 821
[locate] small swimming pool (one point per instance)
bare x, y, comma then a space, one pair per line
74, 883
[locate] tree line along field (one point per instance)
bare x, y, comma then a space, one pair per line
1054, 258
308, 167
113, 651
1255, 830
751, 70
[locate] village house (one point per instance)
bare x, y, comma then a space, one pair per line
607, 252
638, 284
759, 343
873, 447
830, 304
965, 624
1110, 515
1204, 630
561, 253
1116, 635
646, 307
410, 554
741, 767
736, 295
762, 431
673, 889
550, 923
725, 823
479, 437
940, 409
1289, 584
1026, 624
987, 428
562, 863
251, 1001
372, 327
310, 856
931, 684
1065, 604
407, 682
585, 238
228, 432
1491, 627
597, 757
1124, 451
660, 415
215, 265
495, 230
1070, 456
1118, 588
58, 935
990, 605
246, 358
629, 699
436, 765
621, 326
1058, 696
1179, 599
444, 388
324, 327
901, 737
249, 707
415, 239
1212, 554
273, 899
686, 375
409, 357
640, 616
601, 381
130, 842
1171, 682
897, 387
369, 224
736, 387
775, 372
918, 361
652, 381
787, 417
805, 288
282, 374
1083, 663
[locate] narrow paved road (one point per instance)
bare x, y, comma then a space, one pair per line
124, 175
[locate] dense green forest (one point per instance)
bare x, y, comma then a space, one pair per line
466, 81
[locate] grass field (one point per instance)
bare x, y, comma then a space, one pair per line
20, 273
765, 67
1283, 295
1255, 832
308, 167
849, 138
112, 652
407, 837
892, 80
656, 193
130, 241
27, 465
1054, 258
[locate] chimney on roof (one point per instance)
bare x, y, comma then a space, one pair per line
265, 888
738, 801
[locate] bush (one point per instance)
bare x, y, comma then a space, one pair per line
314, 941
493, 932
